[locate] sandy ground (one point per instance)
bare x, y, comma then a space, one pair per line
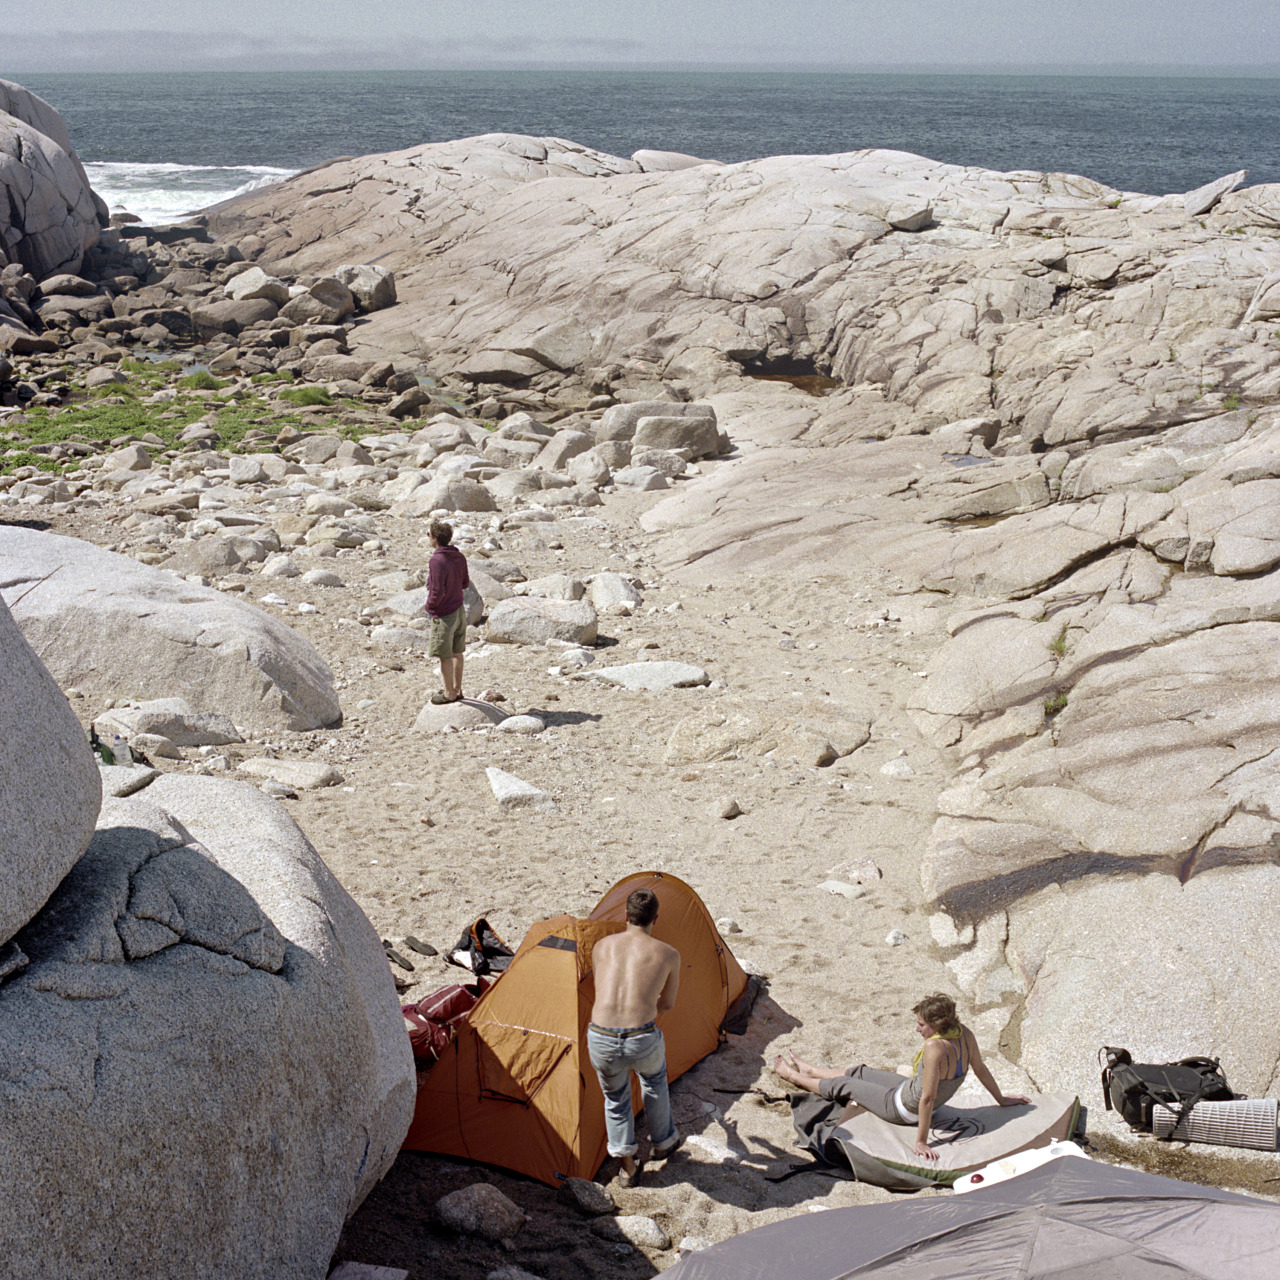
837, 991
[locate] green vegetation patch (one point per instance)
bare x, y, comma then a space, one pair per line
201, 380
306, 396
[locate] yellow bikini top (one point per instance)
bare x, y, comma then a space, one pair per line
954, 1034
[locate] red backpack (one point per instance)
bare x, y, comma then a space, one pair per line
434, 1017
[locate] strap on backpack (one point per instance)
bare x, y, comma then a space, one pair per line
1115, 1058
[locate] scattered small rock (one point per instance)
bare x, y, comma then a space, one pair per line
896, 938
305, 775
526, 724
480, 1210
277, 790
727, 808
513, 793
727, 925
653, 676
690, 1244
690, 775
897, 768
321, 578
588, 1197
363, 1271
842, 889
634, 1228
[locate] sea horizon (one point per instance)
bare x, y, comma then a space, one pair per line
162, 144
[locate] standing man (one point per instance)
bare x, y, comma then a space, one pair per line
636, 979
447, 579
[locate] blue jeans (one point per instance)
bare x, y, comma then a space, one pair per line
615, 1055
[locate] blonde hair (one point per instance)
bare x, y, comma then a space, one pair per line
939, 1011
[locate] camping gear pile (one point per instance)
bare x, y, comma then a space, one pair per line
514, 1086
1070, 1219
1187, 1101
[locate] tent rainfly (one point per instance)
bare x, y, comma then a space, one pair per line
1070, 1219
516, 1088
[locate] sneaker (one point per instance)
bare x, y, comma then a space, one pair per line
628, 1180
664, 1149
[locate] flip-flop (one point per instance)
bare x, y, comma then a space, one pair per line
422, 948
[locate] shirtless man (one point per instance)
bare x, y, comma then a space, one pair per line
636, 979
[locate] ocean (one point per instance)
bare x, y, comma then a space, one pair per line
163, 145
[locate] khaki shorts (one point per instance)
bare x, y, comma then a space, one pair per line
449, 634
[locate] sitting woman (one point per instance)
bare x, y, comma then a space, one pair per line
939, 1069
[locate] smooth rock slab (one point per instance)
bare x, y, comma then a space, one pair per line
49, 784
514, 793
1095, 959
304, 775
653, 675
208, 1026
119, 629
469, 713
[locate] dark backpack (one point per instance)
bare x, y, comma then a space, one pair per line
1134, 1088
481, 950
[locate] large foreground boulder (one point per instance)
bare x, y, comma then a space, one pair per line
49, 216
49, 784
203, 1069
119, 629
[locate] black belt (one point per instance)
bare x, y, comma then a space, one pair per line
621, 1033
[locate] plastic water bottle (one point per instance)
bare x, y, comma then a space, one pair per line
120, 750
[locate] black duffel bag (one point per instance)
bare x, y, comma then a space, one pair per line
1133, 1088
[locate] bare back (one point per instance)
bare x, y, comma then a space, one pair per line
636, 979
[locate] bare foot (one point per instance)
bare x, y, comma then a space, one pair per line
785, 1070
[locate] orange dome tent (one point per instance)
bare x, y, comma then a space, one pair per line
516, 1088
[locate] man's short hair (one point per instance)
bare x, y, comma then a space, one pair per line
441, 532
642, 907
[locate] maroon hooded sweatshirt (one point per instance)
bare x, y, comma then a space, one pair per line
447, 579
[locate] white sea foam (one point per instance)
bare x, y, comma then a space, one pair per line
168, 192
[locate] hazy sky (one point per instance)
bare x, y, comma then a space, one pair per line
87, 35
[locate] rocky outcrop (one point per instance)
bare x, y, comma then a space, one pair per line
116, 628
49, 785
51, 216
208, 1026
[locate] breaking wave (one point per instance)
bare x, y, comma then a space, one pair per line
169, 192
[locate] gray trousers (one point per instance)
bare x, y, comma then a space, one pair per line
866, 1087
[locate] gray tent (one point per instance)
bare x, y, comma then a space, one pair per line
1070, 1219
